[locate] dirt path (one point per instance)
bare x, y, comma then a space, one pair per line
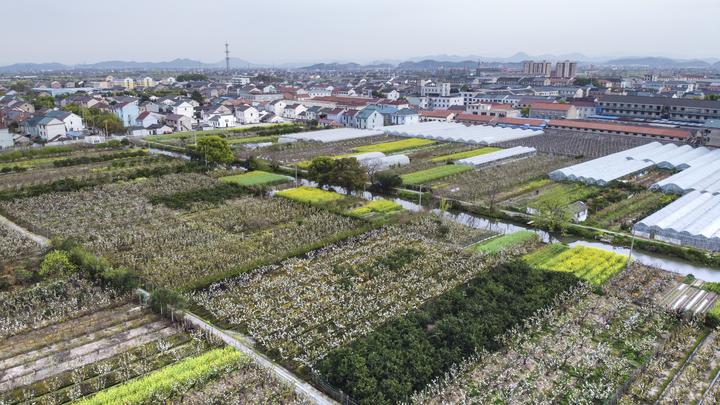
40, 240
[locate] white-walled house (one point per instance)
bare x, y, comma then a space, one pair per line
292, 111
276, 107
405, 116
369, 119
127, 112
184, 108
222, 121
44, 127
247, 114
72, 121
178, 122
147, 118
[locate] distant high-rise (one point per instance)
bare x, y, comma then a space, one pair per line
227, 58
543, 68
566, 69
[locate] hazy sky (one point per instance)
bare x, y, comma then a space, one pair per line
279, 31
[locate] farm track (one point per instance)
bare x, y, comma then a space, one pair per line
40, 240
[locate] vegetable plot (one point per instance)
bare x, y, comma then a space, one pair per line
173, 380
310, 195
255, 178
466, 154
395, 146
593, 265
435, 173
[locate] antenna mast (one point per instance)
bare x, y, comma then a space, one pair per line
227, 58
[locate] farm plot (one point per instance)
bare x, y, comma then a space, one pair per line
255, 178
517, 240
173, 380
571, 143
406, 353
376, 208
563, 194
464, 154
304, 307
621, 215
664, 365
486, 184
445, 231
395, 146
296, 152
694, 379
79, 357
642, 284
50, 302
590, 264
310, 195
249, 384
15, 246
434, 173
579, 351
118, 222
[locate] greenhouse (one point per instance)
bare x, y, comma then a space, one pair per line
454, 132
330, 135
703, 175
692, 220
383, 162
495, 157
603, 170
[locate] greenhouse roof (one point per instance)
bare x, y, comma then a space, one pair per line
497, 156
330, 135
695, 214
455, 132
612, 167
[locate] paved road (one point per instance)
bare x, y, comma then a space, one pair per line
40, 240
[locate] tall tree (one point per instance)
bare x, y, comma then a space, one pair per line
349, 174
214, 149
321, 169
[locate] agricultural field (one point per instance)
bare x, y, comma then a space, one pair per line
590, 264
502, 243
395, 146
563, 194
15, 246
434, 173
239, 135
376, 276
376, 208
580, 350
622, 215
464, 154
310, 195
302, 151
485, 185
571, 143
119, 222
408, 352
256, 178
444, 230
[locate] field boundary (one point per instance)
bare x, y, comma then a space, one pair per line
282, 373
39, 239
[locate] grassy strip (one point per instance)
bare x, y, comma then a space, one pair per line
310, 195
255, 178
563, 193
377, 207
171, 380
464, 155
211, 195
253, 139
267, 130
501, 243
395, 146
434, 173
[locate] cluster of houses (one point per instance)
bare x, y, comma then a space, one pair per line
345, 100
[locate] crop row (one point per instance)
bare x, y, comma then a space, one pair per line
50, 302
303, 307
578, 352
172, 380
395, 146
117, 221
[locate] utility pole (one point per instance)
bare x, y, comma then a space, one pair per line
227, 58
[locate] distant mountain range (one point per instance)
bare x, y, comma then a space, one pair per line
421, 63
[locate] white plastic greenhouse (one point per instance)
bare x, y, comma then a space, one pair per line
454, 132
516, 152
385, 162
603, 170
330, 135
692, 220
